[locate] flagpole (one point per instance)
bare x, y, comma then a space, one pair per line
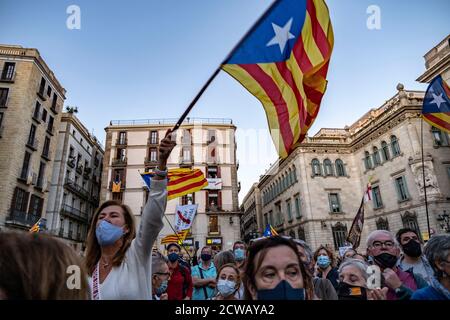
179, 239
216, 72
423, 177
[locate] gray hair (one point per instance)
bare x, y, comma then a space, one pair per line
222, 258
158, 261
355, 263
306, 247
437, 248
372, 236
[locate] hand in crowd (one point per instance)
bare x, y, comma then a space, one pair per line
212, 283
391, 279
164, 296
377, 294
165, 148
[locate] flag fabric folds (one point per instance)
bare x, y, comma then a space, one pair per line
184, 216
283, 61
270, 231
182, 181
175, 238
37, 227
354, 235
436, 104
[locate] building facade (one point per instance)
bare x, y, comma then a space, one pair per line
31, 99
251, 206
207, 144
75, 186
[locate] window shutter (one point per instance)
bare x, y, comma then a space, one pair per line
219, 200
218, 172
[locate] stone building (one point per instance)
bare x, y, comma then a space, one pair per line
207, 144
31, 99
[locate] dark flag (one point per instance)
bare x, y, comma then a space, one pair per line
354, 236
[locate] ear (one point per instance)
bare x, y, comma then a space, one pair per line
252, 290
125, 229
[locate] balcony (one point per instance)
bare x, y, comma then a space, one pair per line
7, 76
122, 142
75, 188
213, 208
80, 169
122, 162
32, 144
74, 213
151, 162
86, 173
122, 186
21, 219
153, 142
71, 162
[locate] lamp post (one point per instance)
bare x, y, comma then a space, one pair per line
444, 220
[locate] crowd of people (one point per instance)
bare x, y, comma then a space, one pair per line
121, 262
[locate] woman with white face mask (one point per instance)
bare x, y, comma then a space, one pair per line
118, 259
228, 282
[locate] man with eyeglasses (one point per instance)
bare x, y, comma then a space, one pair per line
383, 251
412, 257
160, 277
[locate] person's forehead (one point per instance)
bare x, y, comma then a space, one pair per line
350, 269
409, 234
279, 257
206, 249
112, 209
382, 237
228, 271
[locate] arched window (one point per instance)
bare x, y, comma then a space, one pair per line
382, 224
367, 160
385, 148
340, 170
328, 167
376, 157
315, 164
395, 146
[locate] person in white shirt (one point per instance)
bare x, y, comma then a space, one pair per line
118, 259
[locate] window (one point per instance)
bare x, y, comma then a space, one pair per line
186, 138
50, 124
49, 91
213, 224
315, 164
44, 115
119, 175
25, 166
376, 197
340, 170
42, 87
154, 137
213, 200
31, 136
288, 209
186, 154
328, 167
367, 160
294, 174
301, 233
55, 99
339, 235
385, 148
8, 71
279, 214
1, 121
376, 157
153, 155
122, 137
41, 175
188, 199
37, 111
46, 149
271, 221
121, 154
35, 205
3, 96
402, 191
395, 146
78, 160
20, 200
213, 172
211, 136
335, 205
409, 220
266, 221
298, 213
440, 138
71, 152
382, 224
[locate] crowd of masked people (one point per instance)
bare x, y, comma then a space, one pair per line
120, 263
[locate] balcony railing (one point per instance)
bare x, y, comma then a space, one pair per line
72, 186
119, 162
74, 213
213, 208
121, 142
32, 144
171, 121
152, 141
150, 161
21, 218
122, 185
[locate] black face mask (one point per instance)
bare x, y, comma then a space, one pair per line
348, 292
412, 249
385, 260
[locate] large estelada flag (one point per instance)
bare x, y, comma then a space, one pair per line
283, 61
181, 181
436, 104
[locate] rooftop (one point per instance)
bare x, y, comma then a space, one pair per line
171, 121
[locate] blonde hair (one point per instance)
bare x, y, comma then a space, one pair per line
93, 251
36, 266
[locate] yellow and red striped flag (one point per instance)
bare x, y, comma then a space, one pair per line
184, 181
175, 238
283, 61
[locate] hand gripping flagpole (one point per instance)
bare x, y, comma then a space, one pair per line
216, 72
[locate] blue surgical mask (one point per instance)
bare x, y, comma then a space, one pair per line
107, 233
173, 257
323, 261
239, 254
162, 288
283, 291
226, 287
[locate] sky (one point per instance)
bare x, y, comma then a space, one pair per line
147, 59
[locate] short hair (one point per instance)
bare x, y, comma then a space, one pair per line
239, 242
158, 262
329, 253
173, 244
306, 247
400, 232
222, 258
206, 247
37, 266
374, 234
355, 263
437, 248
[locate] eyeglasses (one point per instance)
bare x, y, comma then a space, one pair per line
379, 244
167, 274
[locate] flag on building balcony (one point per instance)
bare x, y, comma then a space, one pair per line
283, 61
354, 235
270, 231
436, 104
184, 216
175, 238
181, 181
38, 226
116, 186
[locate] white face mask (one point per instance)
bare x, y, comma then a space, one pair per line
226, 287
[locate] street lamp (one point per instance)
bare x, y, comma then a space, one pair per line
445, 221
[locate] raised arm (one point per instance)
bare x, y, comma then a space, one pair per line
152, 215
